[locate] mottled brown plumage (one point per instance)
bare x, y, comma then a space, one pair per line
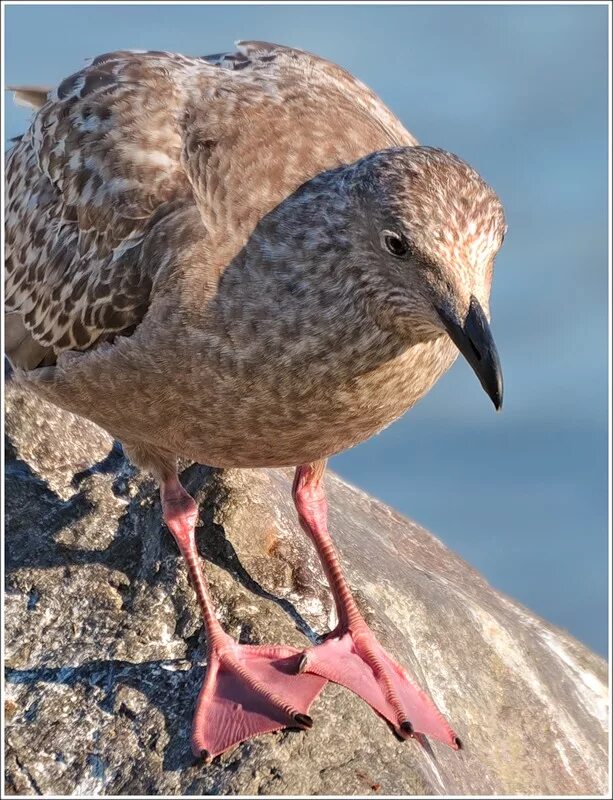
244, 259
139, 196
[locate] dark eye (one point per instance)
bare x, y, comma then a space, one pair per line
394, 243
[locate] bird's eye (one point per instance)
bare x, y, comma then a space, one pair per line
394, 243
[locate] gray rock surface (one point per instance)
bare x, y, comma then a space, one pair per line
104, 644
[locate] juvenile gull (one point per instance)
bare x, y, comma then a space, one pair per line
245, 259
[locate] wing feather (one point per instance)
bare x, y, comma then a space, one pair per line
101, 156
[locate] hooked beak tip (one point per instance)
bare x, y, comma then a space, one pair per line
474, 340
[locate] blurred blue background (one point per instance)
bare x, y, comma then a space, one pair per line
521, 93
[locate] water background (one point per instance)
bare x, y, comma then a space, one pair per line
521, 93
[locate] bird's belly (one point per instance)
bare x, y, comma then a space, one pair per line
298, 421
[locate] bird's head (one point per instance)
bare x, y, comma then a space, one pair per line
427, 231
408, 234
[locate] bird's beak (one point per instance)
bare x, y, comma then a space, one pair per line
474, 340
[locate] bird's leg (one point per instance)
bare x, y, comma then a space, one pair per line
351, 655
248, 689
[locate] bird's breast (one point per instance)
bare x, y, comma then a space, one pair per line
232, 406
309, 410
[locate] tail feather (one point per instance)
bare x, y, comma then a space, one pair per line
30, 96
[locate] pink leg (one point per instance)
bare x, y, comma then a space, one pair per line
351, 655
248, 689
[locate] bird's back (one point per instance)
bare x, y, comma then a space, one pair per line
140, 159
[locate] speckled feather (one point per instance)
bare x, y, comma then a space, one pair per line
223, 213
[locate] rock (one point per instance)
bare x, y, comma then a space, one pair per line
104, 645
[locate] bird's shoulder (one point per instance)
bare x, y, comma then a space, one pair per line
288, 75
273, 118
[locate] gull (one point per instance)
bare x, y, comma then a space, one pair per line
246, 260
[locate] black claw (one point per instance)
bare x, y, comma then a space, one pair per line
302, 663
407, 728
304, 720
395, 731
205, 756
458, 743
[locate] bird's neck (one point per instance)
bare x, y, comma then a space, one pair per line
292, 313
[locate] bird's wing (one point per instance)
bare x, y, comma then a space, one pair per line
99, 165
122, 147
